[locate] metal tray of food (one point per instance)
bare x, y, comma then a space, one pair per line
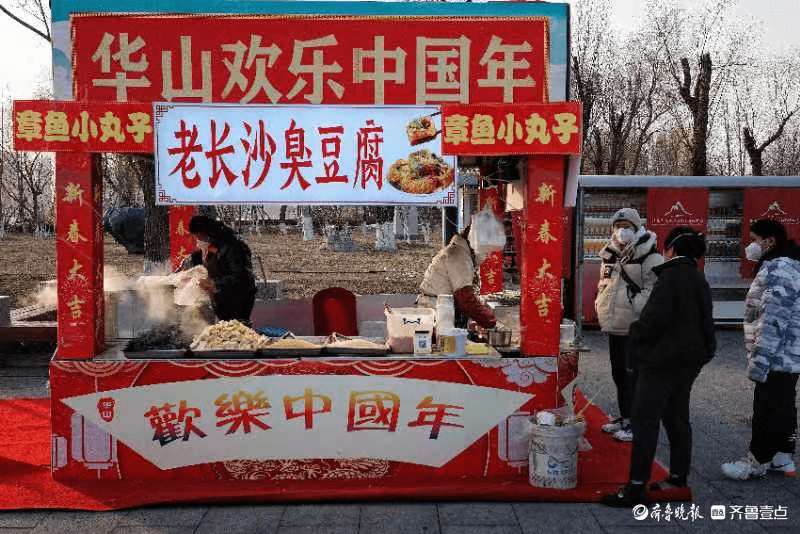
349, 347
163, 354
289, 352
221, 354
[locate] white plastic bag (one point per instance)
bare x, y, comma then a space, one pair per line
487, 233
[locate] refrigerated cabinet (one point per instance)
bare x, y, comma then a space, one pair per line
720, 206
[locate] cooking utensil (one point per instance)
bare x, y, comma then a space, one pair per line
499, 337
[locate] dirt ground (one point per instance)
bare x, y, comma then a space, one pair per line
25, 260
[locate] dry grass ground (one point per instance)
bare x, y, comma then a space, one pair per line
25, 260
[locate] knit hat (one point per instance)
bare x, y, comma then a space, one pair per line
628, 214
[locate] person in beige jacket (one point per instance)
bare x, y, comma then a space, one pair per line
626, 280
453, 271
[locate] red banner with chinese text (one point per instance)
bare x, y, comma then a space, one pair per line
79, 257
59, 126
497, 129
181, 242
491, 269
782, 205
540, 300
670, 207
317, 59
124, 405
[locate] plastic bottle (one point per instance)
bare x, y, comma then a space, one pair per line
445, 313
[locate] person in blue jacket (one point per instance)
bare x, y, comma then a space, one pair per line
772, 343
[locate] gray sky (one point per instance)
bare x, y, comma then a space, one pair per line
25, 61
780, 17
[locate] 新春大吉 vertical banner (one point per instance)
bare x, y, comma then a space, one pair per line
540, 304
79, 252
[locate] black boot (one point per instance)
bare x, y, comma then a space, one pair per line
627, 497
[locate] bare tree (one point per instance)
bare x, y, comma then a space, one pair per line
122, 181
691, 38
156, 230
33, 15
33, 174
766, 100
698, 104
592, 44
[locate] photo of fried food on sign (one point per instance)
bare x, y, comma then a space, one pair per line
422, 173
421, 130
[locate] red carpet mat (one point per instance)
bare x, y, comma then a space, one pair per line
25, 481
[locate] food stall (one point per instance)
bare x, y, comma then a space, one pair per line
318, 108
722, 207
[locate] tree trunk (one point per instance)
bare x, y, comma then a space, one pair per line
753, 151
585, 90
35, 210
20, 197
156, 226
698, 105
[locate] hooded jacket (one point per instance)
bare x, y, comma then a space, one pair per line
229, 264
451, 269
617, 304
772, 318
676, 327
453, 272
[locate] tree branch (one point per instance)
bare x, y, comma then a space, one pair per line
778, 133
45, 36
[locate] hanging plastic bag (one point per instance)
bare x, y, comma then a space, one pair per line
487, 233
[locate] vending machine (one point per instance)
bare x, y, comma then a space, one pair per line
722, 207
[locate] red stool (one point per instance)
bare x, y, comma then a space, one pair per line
334, 310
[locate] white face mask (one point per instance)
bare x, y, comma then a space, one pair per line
753, 251
624, 235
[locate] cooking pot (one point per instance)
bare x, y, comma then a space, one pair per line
498, 338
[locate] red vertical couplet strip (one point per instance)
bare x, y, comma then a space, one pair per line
181, 242
491, 269
540, 304
79, 257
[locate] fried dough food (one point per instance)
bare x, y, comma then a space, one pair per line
421, 130
422, 173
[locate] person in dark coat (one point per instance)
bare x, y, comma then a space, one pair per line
672, 340
231, 283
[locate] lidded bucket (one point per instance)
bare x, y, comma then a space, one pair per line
553, 458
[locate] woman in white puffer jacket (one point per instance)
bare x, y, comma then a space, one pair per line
626, 280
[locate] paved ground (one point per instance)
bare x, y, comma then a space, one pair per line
721, 407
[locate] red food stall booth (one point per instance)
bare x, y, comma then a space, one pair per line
307, 426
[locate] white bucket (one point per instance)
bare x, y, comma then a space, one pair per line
553, 458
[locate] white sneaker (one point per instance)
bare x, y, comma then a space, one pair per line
613, 426
745, 469
782, 462
624, 434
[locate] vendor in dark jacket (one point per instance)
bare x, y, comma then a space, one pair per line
231, 284
673, 339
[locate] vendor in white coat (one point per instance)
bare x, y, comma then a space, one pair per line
453, 271
626, 280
